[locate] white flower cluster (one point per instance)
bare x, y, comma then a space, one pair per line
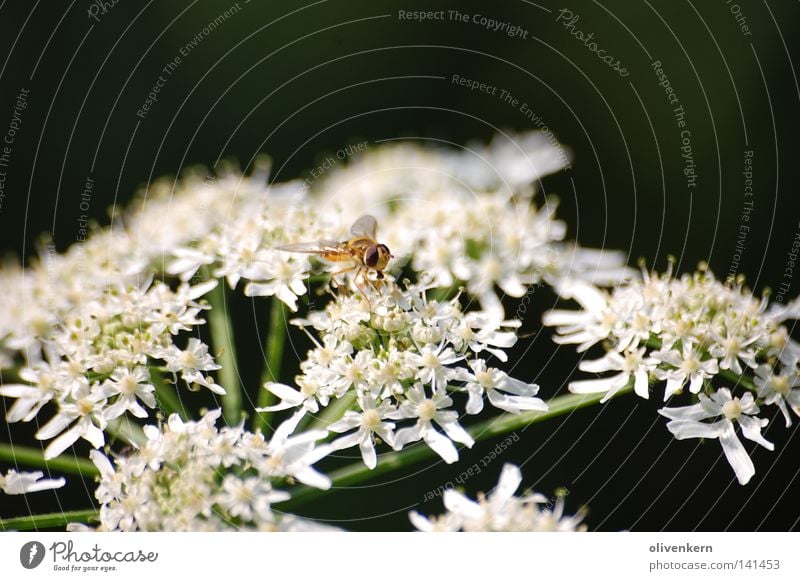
232, 225
228, 227
401, 355
95, 354
500, 241
14, 482
93, 335
501, 511
193, 476
690, 332
92, 331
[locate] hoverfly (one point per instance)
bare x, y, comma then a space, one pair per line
362, 251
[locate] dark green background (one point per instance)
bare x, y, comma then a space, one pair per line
297, 80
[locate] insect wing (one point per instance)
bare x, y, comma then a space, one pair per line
365, 226
318, 247
327, 249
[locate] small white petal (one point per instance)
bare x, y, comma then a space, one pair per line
55, 426
751, 429
475, 401
93, 435
457, 433
288, 297
515, 403
420, 522
406, 436
441, 445
62, 442
102, 462
640, 386
736, 454
311, 477
696, 383
17, 390
346, 441
509, 482
600, 365
368, 453
689, 412
684, 429
588, 296
460, 504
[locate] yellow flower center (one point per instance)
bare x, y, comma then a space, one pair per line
85, 406
128, 384
732, 409
493, 269
427, 409
632, 362
308, 388
466, 333
188, 359
285, 271
371, 419
780, 383
430, 360
485, 379
691, 365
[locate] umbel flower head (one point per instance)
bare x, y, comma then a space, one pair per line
238, 222
433, 204
690, 333
112, 329
401, 356
501, 510
108, 322
100, 361
193, 476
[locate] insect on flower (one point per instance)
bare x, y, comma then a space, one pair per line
361, 253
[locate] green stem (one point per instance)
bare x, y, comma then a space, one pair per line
333, 413
168, 399
273, 352
442, 294
358, 472
225, 351
33, 457
124, 429
653, 343
742, 380
47, 521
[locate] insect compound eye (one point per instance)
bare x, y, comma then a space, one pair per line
371, 256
